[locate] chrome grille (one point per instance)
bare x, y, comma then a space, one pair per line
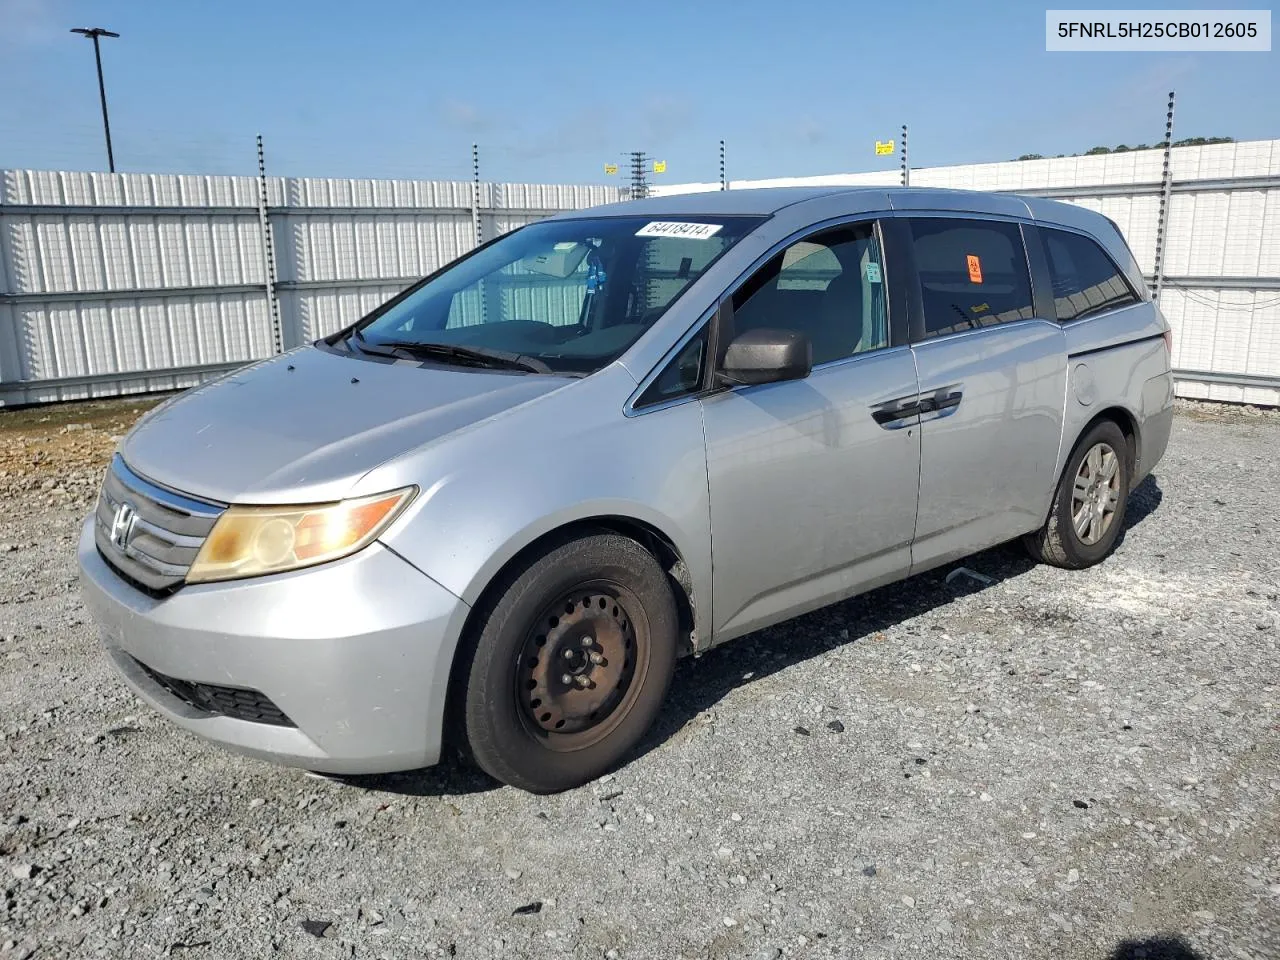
154, 539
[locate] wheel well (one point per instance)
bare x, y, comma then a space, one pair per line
647, 535
663, 550
1124, 420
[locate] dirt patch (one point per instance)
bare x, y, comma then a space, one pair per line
57, 453
1210, 411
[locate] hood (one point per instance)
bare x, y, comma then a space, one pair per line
303, 427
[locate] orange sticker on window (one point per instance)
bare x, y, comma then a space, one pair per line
975, 268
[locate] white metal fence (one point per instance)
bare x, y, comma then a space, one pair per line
125, 283
1220, 275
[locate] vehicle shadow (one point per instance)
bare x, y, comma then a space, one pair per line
1143, 501
701, 682
451, 777
1155, 948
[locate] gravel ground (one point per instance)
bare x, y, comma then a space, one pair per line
1076, 765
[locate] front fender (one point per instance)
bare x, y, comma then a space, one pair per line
491, 492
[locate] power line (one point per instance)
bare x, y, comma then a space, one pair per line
1227, 307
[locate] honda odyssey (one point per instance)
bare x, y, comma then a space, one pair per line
493, 512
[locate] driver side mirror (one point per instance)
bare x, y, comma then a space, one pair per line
766, 355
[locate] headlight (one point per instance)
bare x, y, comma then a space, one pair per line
251, 541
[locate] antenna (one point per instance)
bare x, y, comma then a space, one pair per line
639, 183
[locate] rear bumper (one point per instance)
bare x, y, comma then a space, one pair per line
356, 655
1157, 424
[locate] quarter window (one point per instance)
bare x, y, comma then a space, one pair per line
1085, 280
682, 374
973, 273
829, 286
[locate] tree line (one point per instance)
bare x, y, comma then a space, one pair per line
1125, 148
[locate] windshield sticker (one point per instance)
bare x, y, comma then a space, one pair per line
675, 228
873, 273
975, 268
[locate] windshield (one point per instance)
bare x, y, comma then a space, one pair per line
564, 296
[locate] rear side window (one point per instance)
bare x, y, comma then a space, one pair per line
1085, 280
973, 273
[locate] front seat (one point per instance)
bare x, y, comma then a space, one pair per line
837, 329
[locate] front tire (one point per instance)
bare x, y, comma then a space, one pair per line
570, 664
1089, 505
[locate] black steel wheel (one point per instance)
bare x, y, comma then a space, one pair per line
569, 664
583, 662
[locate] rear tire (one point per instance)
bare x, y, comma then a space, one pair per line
569, 664
1089, 505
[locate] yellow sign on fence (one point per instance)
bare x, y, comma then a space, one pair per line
659, 166
884, 148
610, 168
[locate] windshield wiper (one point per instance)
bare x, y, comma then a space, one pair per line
467, 356
358, 341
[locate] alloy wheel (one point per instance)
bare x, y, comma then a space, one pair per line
1096, 493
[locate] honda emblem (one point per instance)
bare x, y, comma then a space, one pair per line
122, 525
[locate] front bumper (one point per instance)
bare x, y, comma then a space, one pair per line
355, 653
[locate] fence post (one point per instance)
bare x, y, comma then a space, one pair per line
906, 170
268, 256
475, 193
1166, 187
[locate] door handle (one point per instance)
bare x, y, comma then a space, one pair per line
896, 414
943, 406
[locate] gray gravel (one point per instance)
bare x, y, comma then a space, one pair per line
1076, 765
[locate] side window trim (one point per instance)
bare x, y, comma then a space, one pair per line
1043, 246
633, 407
1041, 278
897, 232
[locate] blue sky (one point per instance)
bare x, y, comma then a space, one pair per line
553, 91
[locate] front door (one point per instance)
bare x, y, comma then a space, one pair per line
813, 482
992, 387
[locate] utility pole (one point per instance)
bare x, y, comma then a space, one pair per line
639, 184
94, 33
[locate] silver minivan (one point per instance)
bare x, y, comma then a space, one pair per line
492, 513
